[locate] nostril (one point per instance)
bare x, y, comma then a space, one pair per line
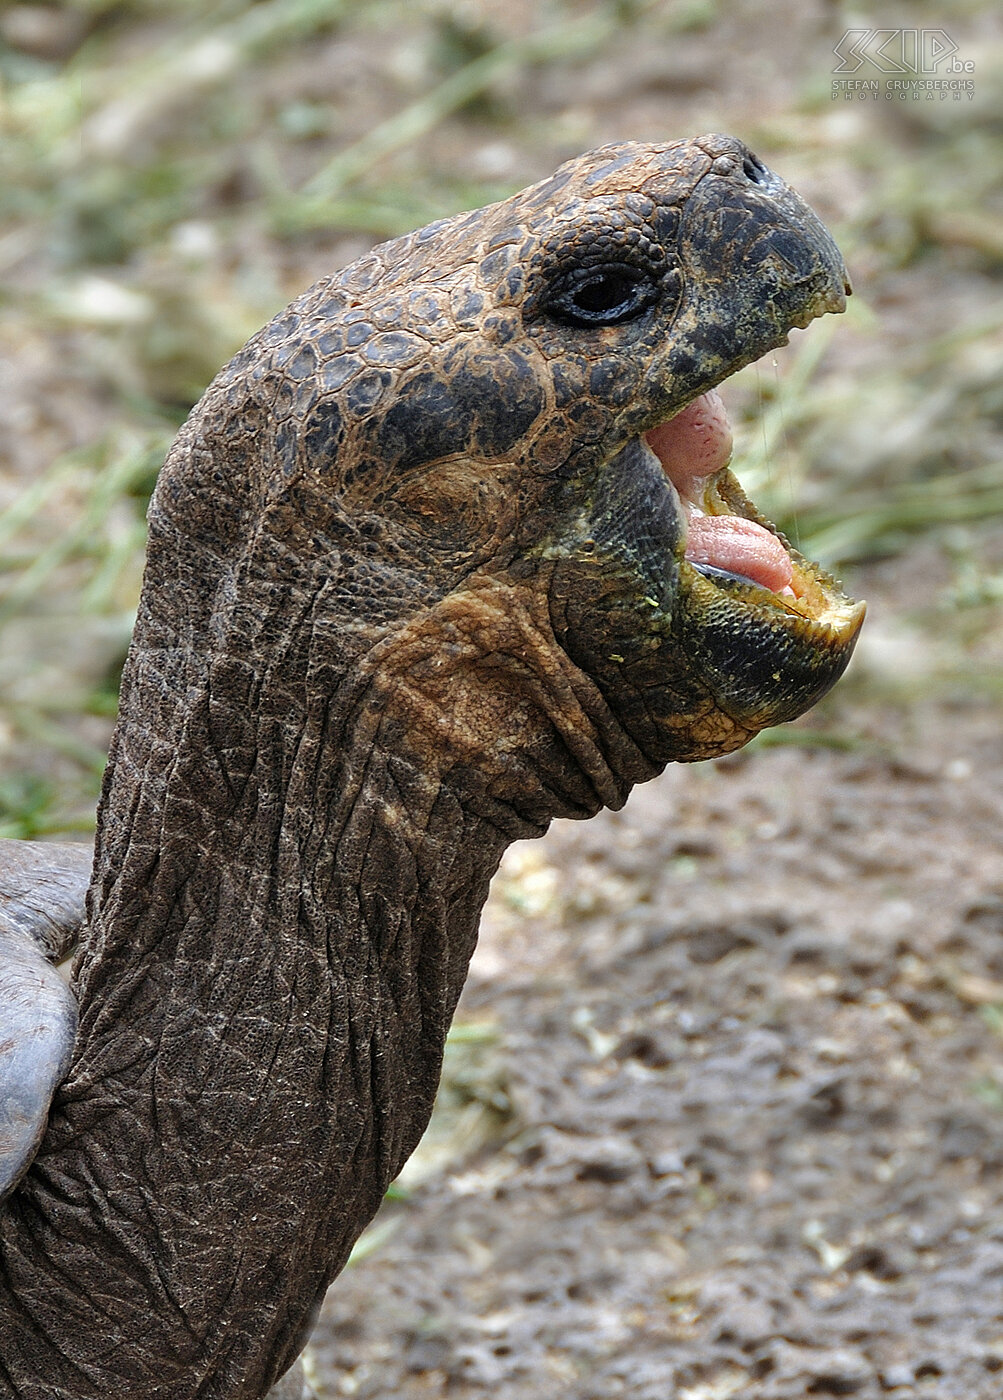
753, 169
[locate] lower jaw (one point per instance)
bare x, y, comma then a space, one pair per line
766, 657
814, 605
763, 667
724, 669
734, 564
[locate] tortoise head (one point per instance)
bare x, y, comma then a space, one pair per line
486, 405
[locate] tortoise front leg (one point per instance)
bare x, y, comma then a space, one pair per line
42, 889
38, 1023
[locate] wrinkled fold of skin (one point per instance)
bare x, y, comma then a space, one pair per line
416, 585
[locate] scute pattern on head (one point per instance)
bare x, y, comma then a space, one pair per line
478, 281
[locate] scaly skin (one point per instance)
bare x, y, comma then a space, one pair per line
415, 587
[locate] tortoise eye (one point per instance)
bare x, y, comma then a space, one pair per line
602, 296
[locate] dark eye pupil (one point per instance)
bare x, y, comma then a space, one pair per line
602, 296
603, 293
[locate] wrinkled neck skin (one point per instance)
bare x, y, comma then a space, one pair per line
299, 825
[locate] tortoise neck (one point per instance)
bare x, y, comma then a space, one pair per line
291, 864
299, 824
269, 982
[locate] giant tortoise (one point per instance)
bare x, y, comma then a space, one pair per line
450, 548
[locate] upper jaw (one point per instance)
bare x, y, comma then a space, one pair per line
758, 263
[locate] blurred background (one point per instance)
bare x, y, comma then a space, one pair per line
821, 914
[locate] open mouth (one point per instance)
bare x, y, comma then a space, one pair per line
727, 542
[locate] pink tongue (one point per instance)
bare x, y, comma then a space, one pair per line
742, 547
692, 446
